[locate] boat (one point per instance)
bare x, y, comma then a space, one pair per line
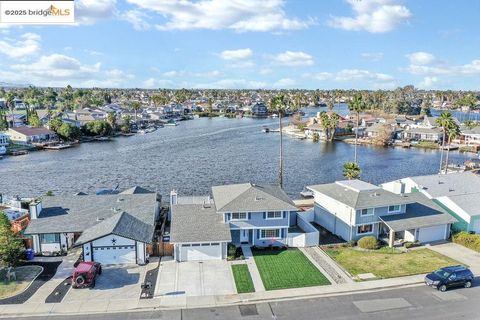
19, 152
171, 123
274, 115
266, 130
150, 130
59, 146
141, 131
101, 139
306, 193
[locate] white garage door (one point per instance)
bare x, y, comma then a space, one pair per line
431, 234
197, 251
114, 255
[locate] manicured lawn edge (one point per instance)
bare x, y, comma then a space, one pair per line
284, 269
243, 280
40, 270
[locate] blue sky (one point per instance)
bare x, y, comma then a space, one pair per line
362, 44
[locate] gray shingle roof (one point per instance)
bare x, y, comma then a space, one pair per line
449, 184
422, 213
359, 198
251, 197
136, 190
196, 223
79, 213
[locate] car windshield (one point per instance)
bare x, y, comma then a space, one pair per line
442, 273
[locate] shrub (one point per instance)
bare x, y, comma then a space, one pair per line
410, 244
369, 242
231, 249
471, 241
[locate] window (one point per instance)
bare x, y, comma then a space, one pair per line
270, 233
274, 215
239, 216
196, 245
395, 208
367, 212
50, 238
366, 228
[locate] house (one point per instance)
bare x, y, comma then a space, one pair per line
353, 209
4, 139
18, 104
111, 229
458, 193
251, 214
259, 110
423, 134
28, 135
472, 136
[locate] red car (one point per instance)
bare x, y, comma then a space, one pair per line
85, 274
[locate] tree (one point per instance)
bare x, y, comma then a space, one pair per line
125, 128
470, 124
426, 107
443, 121
279, 105
9, 97
357, 105
453, 131
97, 128
351, 171
3, 121
69, 132
112, 119
55, 124
135, 106
11, 246
67, 98
33, 118
384, 135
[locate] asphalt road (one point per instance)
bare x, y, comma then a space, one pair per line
408, 303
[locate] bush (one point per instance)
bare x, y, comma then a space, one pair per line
369, 242
410, 244
471, 241
231, 249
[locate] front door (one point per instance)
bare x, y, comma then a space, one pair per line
243, 236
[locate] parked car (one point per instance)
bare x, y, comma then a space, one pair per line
454, 276
85, 274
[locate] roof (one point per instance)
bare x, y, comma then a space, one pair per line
475, 130
251, 197
79, 213
440, 185
425, 130
197, 223
470, 203
28, 131
422, 213
136, 190
359, 195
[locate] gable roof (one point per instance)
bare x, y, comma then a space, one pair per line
251, 197
28, 131
441, 185
136, 190
359, 195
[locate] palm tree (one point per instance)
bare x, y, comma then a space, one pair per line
135, 106
9, 97
351, 170
279, 104
356, 105
453, 131
112, 119
333, 121
443, 121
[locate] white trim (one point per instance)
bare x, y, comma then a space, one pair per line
270, 238
245, 219
368, 214
395, 211
260, 227
274, 218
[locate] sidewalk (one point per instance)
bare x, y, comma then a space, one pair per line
252, 267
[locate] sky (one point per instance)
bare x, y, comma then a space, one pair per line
251, 44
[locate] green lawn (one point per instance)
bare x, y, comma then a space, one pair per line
25, 275
385, 263
243, 280
282, 269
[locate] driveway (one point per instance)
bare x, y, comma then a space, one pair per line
195, 278
115, 283
461, 254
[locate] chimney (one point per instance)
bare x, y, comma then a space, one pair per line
35, 209
173, 197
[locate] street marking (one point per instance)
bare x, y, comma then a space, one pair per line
449, 296
381, 304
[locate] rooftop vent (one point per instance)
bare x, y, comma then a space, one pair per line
375, 194
100, 219
119, 199
257, 198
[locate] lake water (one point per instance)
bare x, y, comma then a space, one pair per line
197, 154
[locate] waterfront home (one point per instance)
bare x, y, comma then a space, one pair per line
352, 209
19, 120
423, 134
111, 229
471, 136
241, 214
378, 129
29, 135
4, 140
458, 193
18, 104
17, 216
259, 110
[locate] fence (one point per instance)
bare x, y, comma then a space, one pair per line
160, 249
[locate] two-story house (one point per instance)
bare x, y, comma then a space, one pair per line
251, 214
353, 209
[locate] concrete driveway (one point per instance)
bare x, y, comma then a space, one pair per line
461, 254
115, 283
194, 278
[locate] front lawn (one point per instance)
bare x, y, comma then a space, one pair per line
25, 275
385, 263
282, 269
243, 280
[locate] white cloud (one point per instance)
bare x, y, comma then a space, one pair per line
238, 15
29, 44
372, 56
428, 82
233, 84
421, 58
181, 73
240, 54
285, 83
377, 80
88, 12
294, 59
137, 18
376, 16
93, 52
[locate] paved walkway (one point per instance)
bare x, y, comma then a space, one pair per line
252, 268
333, 271
459, 253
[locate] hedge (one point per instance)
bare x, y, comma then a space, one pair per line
369, 242
471, 241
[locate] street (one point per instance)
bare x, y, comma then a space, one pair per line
406, 303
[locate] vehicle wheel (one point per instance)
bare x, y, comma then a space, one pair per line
99, 270
93, 284
79, 281
443, 288
468, 284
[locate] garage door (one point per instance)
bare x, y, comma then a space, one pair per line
431, 234
199, 252
114, 255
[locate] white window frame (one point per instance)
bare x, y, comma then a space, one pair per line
364, 233
395, 211
368, 214
274, 218
264, 237
239, 219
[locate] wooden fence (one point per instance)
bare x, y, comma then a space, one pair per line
160, 249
